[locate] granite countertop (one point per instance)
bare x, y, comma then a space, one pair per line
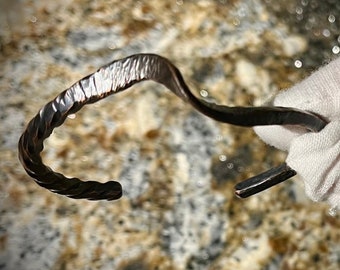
177, 167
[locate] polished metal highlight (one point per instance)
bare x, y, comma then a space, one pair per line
118, 76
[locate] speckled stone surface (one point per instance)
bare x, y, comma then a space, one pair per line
177, 167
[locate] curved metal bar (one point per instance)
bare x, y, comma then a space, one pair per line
111, 79
264, 181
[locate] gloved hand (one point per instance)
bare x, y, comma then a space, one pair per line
314, 156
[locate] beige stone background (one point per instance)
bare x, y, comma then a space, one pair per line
177, 167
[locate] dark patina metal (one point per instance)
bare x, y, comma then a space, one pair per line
120, 75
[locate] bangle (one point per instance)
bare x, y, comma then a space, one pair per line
118, 76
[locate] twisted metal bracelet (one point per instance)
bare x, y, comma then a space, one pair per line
120, 75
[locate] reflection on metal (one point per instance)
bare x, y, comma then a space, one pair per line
118, 76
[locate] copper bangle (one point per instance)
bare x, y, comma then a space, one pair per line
113, 78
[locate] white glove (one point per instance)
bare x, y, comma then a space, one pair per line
315, 156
